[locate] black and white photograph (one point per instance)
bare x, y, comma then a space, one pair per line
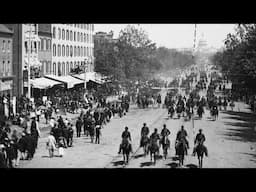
128, 95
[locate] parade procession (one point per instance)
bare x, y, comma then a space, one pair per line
78, 97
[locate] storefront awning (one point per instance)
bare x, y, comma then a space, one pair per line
90, 76
43, 83
69, 80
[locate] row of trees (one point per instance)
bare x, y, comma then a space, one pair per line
135, 57
238, 59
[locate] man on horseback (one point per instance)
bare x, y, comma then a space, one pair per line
126, 139
165, 131
144, 133
181, 135
200, 139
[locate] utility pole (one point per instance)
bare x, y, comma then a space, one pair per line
29, 50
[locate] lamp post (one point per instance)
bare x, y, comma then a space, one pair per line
85, 67
29, 50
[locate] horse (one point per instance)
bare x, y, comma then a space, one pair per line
127, 149
145, 144
154, 149
165, 145
179, 110
181, 149
200, 151
200, 111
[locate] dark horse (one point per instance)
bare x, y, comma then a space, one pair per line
127, 149
171, 111
181, 149
214, 113
200, 151
154, 149
179, 110
145, 144
165, 142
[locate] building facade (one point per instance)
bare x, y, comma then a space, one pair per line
6, 66
72, 46
45, 48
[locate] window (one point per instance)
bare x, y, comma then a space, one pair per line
54, 32
35, 47
63, 50
67, 68
82, 51
26, 46
71, 65
71, 36
75, 51
71, 51
74, 36
63, 34
78, 36
46, 45
54, 50
39, 45
67, 35
84, 38
49, 44
59, 69
42, 44
54, 68
59, 50
74, 65
78, 51
85, 51
4, 68
8, 68
9, 46
87, 37
59, 31
67, 51
63, 72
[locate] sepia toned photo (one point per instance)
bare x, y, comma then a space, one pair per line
127, 96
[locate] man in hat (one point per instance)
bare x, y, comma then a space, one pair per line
98, 133
51, 144
200, 139
79, 124
126, 137
2, 157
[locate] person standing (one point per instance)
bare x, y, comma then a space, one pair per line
34, 130
38, 114
78, 127
98, 133
3, 163
51, 144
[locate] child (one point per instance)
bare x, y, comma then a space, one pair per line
61, 149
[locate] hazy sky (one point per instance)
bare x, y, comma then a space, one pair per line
177, 35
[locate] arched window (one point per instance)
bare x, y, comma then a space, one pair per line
59, 69
63, 72
67, 51
67, 35
54, 50
63, 50
74, 65
84, 38
63, 34
87, 36
71, 36
54, 68
78, 63
78, 51
67, 68
71, 51
59, 31
75, 51
59, 50
78, 36
49, 44
82, 51
85, 51
54, 32
74, 36
71, 65
42, 44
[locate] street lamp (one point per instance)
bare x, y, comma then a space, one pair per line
85, 67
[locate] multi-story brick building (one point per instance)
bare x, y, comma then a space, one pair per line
45, 48
72, 44
6, 66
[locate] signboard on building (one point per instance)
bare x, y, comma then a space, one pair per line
6, 85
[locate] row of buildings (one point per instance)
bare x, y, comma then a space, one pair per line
30, 53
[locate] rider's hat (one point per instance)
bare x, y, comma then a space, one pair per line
126, 127
144, 124
155, 129
200, 130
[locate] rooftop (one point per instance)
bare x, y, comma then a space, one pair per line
4, 29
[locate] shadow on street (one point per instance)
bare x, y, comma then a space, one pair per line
243, 130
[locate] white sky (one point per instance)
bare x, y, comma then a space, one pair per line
177, 35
